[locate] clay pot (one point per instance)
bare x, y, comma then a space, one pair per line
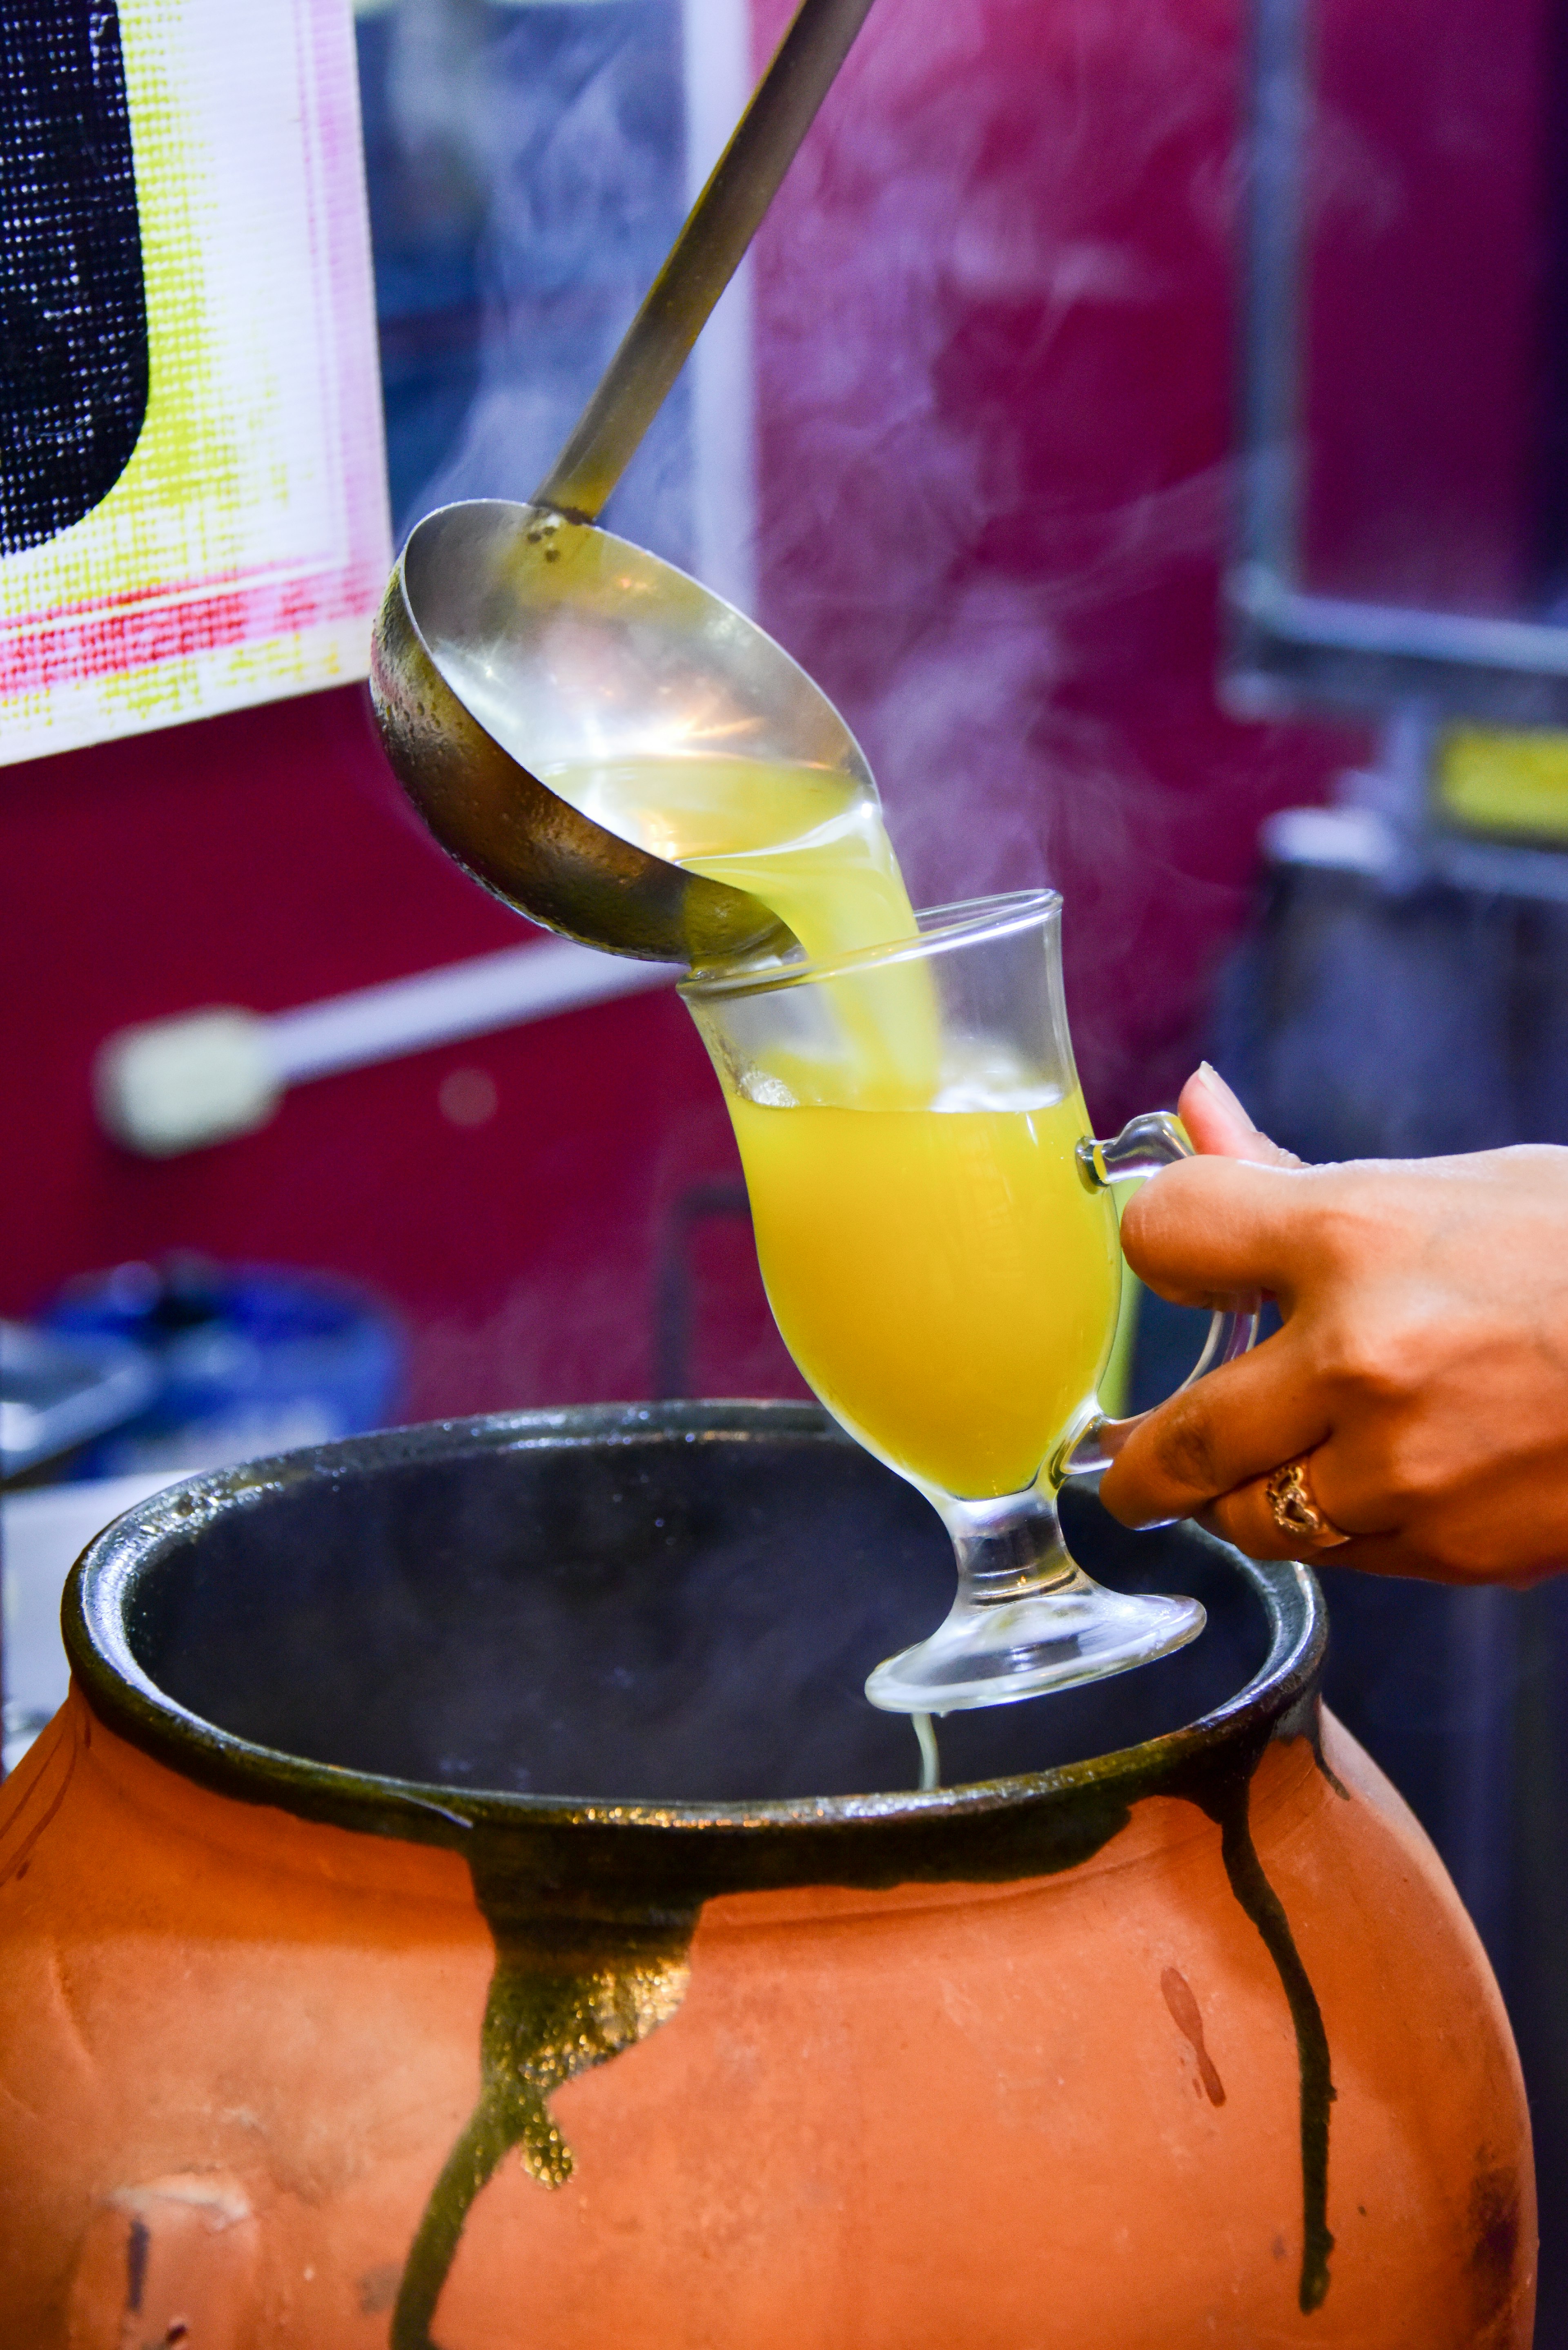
326, 2019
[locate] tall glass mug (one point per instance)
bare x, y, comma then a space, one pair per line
939, 1246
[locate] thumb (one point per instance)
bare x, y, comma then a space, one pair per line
1220, 1128
1209, 1231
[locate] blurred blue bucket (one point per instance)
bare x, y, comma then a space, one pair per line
248, 1360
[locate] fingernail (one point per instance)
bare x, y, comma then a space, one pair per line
1209, 1079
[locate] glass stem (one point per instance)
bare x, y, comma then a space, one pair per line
1010, 1549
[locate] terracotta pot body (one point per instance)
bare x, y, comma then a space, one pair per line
297, 2052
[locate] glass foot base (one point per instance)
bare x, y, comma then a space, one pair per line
997, 1654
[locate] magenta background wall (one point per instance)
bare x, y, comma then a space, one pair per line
996, 310
1432, 313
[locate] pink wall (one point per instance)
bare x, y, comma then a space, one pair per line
999, 306
996, 307
1426, 184
265, 860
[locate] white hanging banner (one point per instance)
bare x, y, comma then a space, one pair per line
193, 481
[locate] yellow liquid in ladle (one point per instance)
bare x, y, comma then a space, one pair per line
936, 1266
805, 840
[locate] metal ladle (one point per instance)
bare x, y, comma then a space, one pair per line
516, 641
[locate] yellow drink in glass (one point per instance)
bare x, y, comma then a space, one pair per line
939, 1245
932, 1222
945, 1279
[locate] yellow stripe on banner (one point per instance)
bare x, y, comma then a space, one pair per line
1502, 782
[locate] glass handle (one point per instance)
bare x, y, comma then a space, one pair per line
1143, 1145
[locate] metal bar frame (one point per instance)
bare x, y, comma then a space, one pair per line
1286, 646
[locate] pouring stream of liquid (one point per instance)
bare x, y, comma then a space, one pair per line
930, 1762
809, 841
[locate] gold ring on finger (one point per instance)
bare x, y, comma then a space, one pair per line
1295, 1513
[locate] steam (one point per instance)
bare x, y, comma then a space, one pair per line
559, 1338
564, 131
994, 368
994, 363
993, 343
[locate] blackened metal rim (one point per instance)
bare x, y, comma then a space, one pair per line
827, 1832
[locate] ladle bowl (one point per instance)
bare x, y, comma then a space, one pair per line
515, 639
513, 643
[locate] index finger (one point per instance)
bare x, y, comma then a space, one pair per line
1240, 1422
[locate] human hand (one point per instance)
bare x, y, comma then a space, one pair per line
1421, 1372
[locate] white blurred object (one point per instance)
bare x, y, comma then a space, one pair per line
44, 1529
173, 1085
1342, 839
177, 1085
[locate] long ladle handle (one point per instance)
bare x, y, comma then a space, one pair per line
703, 259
